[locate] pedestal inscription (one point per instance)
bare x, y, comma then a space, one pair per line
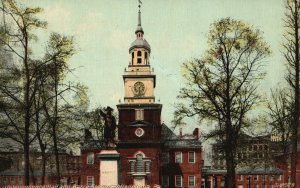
109, 167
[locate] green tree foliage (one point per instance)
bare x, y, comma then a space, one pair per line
221, 86
36, 102
17, 26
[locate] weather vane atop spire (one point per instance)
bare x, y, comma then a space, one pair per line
139, 28
140, 2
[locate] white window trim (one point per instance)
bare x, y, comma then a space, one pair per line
194, 182
194, 153
180, 180
240, 177
139, 114
87, 158
180, 157
93, 181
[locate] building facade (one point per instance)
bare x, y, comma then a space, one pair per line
149, 152
145, 151
70, 168
256, 166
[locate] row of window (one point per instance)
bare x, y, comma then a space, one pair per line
12, 180
139, 54
165, 181
258, 186
178, 181
191, 157
257, 177
178, 157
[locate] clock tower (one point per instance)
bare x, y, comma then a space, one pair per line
139, 79
139, 128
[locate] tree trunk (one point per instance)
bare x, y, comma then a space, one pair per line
56, 156
296, 107
55, 121
44, 166
26, 159
230, 162
26, 110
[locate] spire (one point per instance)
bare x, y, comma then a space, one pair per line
139, 19
139, 26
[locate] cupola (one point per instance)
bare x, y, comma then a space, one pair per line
140, 48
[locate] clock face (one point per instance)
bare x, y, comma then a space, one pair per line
139, 89
139, 132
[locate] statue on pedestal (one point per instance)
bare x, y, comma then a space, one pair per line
109, 126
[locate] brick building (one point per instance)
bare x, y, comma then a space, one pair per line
70, 168
147, 151
256, 166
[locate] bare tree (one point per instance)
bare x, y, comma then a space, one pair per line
291, 54
57, 109
94, 122
221, 86
36, 103
280, 113
18, 24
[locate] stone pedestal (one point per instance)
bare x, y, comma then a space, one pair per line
139, 181
109, 167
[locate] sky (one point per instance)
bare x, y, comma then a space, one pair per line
175, 29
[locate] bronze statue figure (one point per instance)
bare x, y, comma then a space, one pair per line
109, 126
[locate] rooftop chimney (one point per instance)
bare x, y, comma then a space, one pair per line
196, 133
180, 132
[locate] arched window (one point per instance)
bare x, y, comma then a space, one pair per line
139, 59
139, 163
132, 57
